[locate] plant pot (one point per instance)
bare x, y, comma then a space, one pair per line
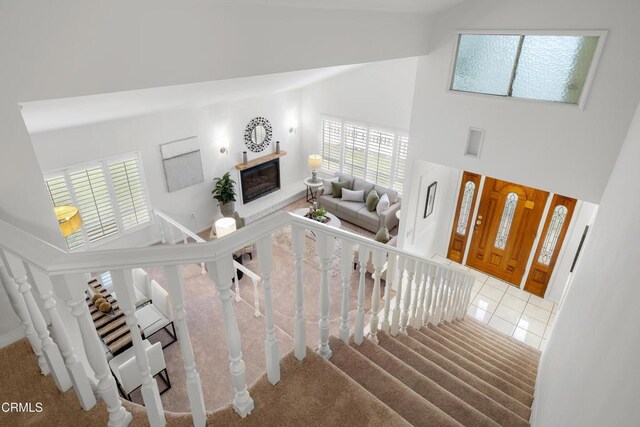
228, 209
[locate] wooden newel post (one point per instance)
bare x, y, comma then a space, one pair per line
221, 272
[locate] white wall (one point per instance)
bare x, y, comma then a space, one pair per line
213, 125
554, 147
379, 93
428, 236
589, 374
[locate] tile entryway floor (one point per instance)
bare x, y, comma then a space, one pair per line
512, 311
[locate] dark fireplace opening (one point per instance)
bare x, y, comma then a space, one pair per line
260, 180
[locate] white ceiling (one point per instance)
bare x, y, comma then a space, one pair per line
42, 116
408, 6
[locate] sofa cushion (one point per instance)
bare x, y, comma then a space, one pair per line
352, 195
345, 177
326, 185
327, 201
361, 184
369, 217
393, 195
382, 235
383, 204
350, 208
372, 200
337, 188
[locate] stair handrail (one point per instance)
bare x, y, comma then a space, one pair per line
56, 261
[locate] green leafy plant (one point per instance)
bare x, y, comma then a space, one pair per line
224, 191
319, 213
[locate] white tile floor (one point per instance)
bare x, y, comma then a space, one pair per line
512, 311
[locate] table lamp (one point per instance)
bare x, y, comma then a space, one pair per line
224, 226
315, 163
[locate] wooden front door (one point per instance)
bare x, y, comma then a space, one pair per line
546, 255
464, 212
505, 229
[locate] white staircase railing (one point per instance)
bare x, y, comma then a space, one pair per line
425, 293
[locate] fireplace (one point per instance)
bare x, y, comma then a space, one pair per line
260, 180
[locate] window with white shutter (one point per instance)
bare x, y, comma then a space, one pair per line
109, 194
129, 193
364, 151
331, 144
60, 196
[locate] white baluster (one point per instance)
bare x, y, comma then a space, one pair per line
347, 260
50, 350
421, 283
236, 282
299, 327
172, 240
454, 295
204, 270
256, 298
378, 263
194, 386
395, 311
184, 238
415, 287
77, 374
406, 298
437, 296
430, 292
123, 285
17, 302
324, 244
73, 292
392, 259
466, 296
162, 233
272, 349
221, 272
358, 334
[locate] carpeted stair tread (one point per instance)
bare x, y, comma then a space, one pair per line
481, 395
500, 346
448, 402
494, 349
407, 403
462, 357
451, 383
484, 329
466, 350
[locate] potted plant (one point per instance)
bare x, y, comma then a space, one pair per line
319, 214
225, 194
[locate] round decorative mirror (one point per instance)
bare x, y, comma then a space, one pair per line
257, 135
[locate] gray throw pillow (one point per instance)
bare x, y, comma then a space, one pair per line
372, 200
337, 188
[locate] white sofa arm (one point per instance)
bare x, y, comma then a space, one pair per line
388, 217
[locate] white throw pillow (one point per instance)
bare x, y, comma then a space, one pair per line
327, 185
352, 195
383, 204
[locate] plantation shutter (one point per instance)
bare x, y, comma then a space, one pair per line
380, 157
331, 144
129, 192
401, 163
355, 150
60, 195
94, 202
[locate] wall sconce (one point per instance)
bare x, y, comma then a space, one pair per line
292, 129
224, 150
224, 147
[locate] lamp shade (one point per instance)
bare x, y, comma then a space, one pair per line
225, 226
68, 218
315, 161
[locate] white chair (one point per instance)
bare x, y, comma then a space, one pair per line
158, 315
141, 282
127, 373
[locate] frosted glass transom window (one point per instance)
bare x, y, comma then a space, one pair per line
553, 233
543, 67
465, 208
505, 222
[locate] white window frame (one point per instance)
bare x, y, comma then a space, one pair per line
602, 34
398, 133
104, 164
